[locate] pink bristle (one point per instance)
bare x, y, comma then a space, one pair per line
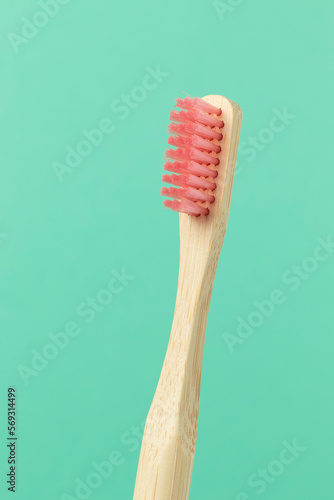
176, 193
196, 115
195, 137
189, 193
202, 170
195, 141
201, 143
197, 102
189, 180
185, 142
194, 128
191, 154
190, 167
186, 206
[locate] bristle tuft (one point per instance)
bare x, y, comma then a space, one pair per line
190, 167
196, 115
194, 128
196, 102
187, 207
191, 154
195, 141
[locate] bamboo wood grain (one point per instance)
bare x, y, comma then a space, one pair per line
169, 441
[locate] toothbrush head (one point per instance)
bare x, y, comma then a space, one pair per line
197, 134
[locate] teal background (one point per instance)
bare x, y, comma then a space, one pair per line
60, 241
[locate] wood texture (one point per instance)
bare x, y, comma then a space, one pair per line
168, 447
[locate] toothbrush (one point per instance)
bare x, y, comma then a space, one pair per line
206, 137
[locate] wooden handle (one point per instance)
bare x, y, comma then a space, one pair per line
169, 441
168, 447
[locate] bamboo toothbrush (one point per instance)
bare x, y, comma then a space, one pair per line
207, 136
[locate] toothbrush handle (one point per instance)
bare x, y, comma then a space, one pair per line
169, 477
169, 441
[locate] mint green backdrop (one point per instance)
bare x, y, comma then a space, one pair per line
89, 258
